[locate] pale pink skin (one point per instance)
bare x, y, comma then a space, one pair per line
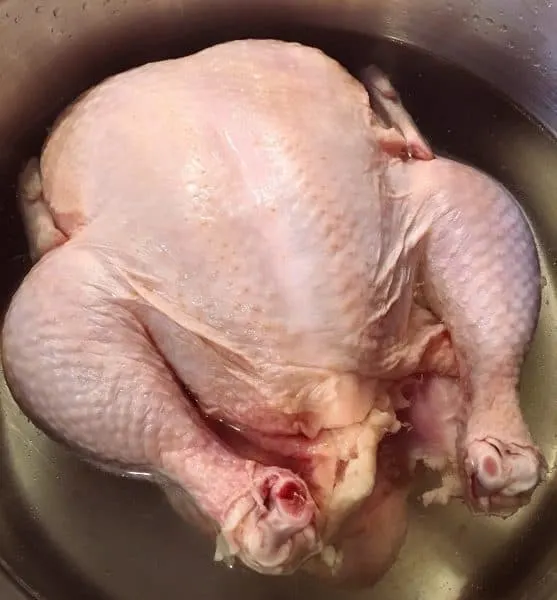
240, 221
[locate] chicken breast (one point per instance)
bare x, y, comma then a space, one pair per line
247, 264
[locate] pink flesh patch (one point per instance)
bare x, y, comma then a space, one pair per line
490, 466
292, 498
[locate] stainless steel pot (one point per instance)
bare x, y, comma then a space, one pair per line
68, 531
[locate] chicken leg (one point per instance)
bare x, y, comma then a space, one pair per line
481, 277
266, 515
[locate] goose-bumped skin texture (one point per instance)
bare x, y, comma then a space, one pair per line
246, 275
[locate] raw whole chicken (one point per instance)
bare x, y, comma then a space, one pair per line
254, 279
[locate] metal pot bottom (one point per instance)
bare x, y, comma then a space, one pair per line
69, 531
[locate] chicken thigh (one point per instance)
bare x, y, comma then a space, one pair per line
244, 271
